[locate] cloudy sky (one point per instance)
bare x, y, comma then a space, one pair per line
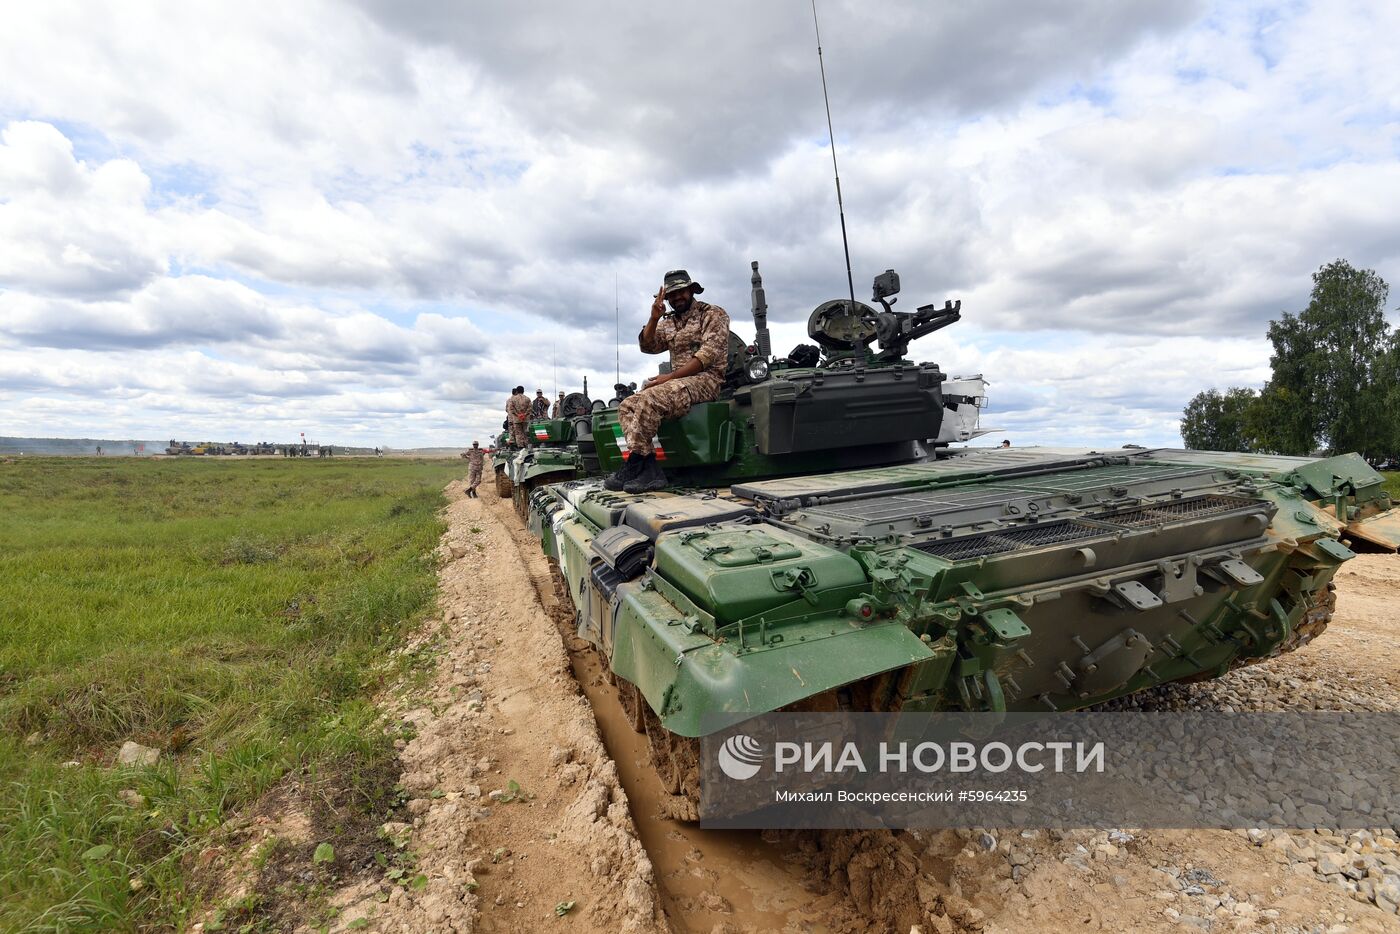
367, 220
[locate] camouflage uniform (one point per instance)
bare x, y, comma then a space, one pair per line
558, 407
539, 408
703, 333
517, 410
476, 460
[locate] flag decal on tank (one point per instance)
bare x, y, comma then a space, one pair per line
622, 445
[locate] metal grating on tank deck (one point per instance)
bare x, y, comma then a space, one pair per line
893, 507
1002, 541
908, 505
1171, 510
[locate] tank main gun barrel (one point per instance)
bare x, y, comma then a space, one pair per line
760, 314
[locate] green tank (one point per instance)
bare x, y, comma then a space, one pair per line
554, 452
820, 550
503, 450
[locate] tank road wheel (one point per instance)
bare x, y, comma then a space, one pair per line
521, 496
633, 704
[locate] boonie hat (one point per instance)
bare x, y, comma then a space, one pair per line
678, 279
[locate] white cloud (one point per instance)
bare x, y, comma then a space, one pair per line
376, 218
69, 228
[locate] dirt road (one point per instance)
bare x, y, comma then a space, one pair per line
577, 822
519, 821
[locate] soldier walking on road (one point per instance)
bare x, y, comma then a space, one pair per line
539, 408
696, 334
476, 460
517, 411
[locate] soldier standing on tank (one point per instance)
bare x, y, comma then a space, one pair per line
558, 409
476, 459
517, 411
696, 334
539, 406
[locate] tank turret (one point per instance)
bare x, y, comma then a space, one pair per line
857, 402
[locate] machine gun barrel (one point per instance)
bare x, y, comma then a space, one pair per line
894, 330
929, 318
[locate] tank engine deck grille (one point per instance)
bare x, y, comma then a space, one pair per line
1000, 542
960, 549
1196, 507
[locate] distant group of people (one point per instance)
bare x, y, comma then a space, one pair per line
520, 410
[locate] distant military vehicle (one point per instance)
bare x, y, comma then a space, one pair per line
557, 449
815, 552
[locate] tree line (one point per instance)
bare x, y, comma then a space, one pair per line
1335, 383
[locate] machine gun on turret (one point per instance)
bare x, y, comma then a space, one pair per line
894, 330
846, 330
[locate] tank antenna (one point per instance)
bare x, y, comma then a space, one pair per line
840, 208
617, 335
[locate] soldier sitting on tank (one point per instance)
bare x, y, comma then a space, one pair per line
696, 334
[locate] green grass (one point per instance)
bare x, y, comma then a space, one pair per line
240, 612
1392, 484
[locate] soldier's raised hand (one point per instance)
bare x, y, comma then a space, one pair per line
658, 304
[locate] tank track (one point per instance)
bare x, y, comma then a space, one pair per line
676, 759
1322, 603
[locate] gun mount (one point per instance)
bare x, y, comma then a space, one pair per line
846, 330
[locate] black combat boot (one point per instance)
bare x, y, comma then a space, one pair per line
649, 478
619, 478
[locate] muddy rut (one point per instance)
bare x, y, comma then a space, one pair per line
713, 881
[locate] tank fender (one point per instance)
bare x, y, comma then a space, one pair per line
697, 685
534, 467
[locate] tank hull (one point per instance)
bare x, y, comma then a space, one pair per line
1001, 580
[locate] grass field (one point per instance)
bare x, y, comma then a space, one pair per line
235, 614
1392, 484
